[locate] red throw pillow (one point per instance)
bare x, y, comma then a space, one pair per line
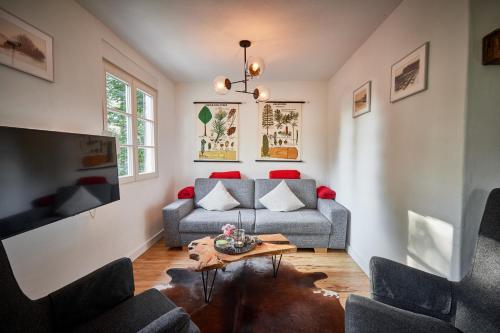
324, 192
186, 193
226, 175
92, 180
284, 174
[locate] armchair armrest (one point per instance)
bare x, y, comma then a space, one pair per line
339, 216
93, 294
411, 289
172, 214
364, 315
176, 320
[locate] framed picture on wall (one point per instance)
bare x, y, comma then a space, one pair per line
217, 131
361, 99
409, 75
25, 48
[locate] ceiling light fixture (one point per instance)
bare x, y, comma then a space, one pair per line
253, 67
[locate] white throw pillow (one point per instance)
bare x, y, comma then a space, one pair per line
218, 199
281, 199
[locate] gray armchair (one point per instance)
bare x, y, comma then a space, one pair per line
102, 301
405, 299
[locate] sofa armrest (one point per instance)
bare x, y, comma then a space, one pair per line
172, 214
364, 315
339, 216
93, 294
176, 320
411, 289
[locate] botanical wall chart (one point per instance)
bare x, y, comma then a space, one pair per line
217, 131
280, 130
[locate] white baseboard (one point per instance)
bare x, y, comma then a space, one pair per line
364, 264
145, 246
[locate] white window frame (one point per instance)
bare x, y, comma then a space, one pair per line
134, 84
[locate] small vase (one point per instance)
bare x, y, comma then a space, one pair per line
239, 238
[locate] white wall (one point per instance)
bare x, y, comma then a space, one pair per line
482, 160
399, 169
47, 258
313, 126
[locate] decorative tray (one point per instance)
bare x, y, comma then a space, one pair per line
229, 248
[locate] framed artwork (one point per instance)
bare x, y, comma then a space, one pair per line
217, 131
361, 99
409, 75
25, 48
280, 131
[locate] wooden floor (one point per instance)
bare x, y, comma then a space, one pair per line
344, 275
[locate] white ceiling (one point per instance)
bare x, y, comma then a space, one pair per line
196, 40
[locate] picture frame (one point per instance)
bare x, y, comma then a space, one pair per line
25, 47
409, 75
217, 131
361, 99
279, 129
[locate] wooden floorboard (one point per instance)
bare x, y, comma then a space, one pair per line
344, 275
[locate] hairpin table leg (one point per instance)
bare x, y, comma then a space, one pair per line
207, 294
276, 264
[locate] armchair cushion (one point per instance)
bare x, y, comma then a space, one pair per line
93, 294
411, 289
174, 321
131, 315
364, 315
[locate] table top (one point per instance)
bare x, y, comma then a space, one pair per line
207, 257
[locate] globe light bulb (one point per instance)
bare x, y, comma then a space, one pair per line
221, 85
261, 93
255, 66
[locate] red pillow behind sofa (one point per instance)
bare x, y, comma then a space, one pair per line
284, 174
226, 175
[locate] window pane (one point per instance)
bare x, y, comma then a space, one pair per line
125, 162
145, 133
144, 105
146, 160
116, 93
119, 125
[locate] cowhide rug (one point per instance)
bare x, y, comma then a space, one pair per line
246, 298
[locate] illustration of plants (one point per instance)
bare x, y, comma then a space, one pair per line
265, 146
275, 136
267, 117
219, 125
278, 119
205, 116
294, 116
231, 118
203, 143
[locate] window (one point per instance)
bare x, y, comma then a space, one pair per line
130, 115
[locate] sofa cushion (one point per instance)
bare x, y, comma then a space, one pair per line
299, 222
243, 190
304, 189
211, 222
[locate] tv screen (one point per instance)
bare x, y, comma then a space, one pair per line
47, 176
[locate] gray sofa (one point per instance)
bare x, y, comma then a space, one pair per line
321, 223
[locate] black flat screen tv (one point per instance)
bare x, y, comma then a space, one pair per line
47, 176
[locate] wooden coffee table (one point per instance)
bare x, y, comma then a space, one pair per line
209, 259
